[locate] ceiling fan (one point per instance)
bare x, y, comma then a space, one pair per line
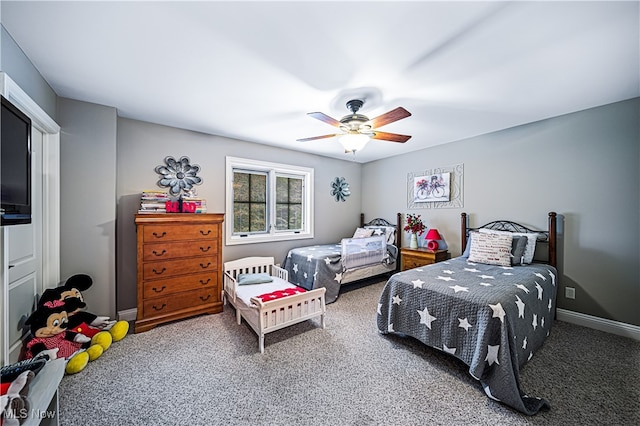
358, 129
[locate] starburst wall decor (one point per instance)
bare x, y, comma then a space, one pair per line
178, 175
340, 189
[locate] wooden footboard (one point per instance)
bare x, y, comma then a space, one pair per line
286, 311
274, 314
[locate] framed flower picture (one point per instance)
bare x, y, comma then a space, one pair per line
430, 188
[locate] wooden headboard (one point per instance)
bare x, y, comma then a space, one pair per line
548, 237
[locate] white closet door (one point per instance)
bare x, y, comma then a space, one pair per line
24, 244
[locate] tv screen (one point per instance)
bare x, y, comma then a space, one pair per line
15, 166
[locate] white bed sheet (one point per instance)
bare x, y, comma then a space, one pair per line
246, 292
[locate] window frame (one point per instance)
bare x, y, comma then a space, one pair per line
272, 169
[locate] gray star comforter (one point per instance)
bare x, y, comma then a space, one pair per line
491, 317
324, 265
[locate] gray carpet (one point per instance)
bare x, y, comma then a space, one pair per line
208, 371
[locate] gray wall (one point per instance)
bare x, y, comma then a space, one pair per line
88, 199
584, 166
143, 146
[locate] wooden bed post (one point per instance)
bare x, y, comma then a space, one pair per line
552, 240
361, 220
463, 231
399, 231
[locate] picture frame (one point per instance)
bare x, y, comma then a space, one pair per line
432, 188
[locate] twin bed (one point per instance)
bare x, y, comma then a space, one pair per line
372, 251
492, 307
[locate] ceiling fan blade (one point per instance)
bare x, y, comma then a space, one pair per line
316, 137
391, 137
324, 117
389, 117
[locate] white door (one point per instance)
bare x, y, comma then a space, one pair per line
24, 243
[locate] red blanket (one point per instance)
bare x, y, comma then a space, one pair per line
280, 293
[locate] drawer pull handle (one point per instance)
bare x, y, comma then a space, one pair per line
205, 266
205, 282
205, 233
204, 250
161, 272
164, 305
159, 291
159, 253
205, 298
155, 234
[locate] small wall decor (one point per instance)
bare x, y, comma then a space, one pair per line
178, 175
437, 188
340, 189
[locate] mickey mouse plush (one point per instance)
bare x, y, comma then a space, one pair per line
49, 325
81, 321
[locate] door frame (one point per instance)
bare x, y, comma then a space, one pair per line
50, 199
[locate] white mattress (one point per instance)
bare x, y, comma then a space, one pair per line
246, 292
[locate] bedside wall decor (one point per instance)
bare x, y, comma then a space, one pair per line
437, 188
340, 189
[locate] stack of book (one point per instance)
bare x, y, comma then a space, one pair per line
153, 202
201, 203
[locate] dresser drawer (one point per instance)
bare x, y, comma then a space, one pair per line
178, 301
162, 287
410, 262
161, 251
170, 268
157, 233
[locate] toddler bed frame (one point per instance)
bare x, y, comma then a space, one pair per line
265, 317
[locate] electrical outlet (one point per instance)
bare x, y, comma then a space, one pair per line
570, 292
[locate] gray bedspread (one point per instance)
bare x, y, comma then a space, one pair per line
491, 317
318, 266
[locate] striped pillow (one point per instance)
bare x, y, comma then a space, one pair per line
492, 249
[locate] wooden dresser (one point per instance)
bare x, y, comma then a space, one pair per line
413, 258
179, 267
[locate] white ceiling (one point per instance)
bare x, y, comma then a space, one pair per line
252, 70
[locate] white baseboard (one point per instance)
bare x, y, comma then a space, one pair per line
128, 314
602, 324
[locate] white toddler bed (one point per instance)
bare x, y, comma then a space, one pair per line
265, 317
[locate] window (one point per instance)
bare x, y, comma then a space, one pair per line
267, 202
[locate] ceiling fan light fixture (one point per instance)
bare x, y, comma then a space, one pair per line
353, 142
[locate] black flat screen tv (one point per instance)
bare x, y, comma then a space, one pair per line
15, 166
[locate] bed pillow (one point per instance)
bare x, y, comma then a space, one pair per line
362, 233
518, 247
491, 249
529, 251
389, 231
261, 278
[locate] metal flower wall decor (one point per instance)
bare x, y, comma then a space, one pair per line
340, 189
178, 175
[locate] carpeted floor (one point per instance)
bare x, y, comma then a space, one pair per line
208, 371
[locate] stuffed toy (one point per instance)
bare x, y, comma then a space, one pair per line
14, 405
49, 328
84, 322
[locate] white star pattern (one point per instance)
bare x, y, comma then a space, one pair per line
550, 305
305, 275
390, 328
539, 290
486, 284
487, 277
396, 300
471, 270
379, 308
542, 322
522, 287
446, 271
520, 304
488, 392
417, 283
534, 323
553, 277
295, 268
309, 258
426, 318
530, 356
464, 324
449, 350
506, 267
524, 343
492, 354
457, 288
507, 273
327, 261
498, 312
539, 275
445, 278
338, 277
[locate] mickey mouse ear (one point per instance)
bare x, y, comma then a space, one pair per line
79, 281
